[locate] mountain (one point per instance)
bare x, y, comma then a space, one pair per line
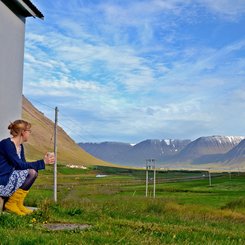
153, 149
216, 150
126, 154
107, 151
207, 149
41, 140
237, 154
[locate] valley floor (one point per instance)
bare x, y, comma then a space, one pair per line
186, 210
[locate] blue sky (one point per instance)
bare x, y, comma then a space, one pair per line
143, 69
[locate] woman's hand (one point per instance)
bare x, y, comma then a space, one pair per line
49, 158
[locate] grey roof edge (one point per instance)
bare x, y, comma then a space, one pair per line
24, 8
34, 9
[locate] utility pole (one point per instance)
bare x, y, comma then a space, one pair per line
146, 179
210, 180
230, 175
150, 164
55, 153
154, 179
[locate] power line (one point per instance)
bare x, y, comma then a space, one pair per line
68, 118
79, 127
53, 108
64, 126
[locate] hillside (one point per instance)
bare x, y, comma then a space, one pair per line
41, 140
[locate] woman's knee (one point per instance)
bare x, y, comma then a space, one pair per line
33, 173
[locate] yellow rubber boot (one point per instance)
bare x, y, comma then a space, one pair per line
12, 204
21, 202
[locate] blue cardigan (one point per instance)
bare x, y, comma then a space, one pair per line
10, 161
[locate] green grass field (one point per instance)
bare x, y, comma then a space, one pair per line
186, 209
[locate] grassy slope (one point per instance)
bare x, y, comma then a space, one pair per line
41, 140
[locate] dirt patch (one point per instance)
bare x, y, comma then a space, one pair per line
62, 227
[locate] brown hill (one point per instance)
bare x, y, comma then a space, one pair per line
41, 140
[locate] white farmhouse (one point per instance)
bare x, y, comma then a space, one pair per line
13, 14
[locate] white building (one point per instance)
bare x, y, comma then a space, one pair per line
12, 33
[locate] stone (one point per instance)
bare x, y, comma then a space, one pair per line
62, 227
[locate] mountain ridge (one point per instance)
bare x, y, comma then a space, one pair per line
133, 154
204, 147
216, 149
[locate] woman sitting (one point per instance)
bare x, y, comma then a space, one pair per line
17, 175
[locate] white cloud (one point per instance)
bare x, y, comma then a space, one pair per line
74, 55
134, 66
226, 8
73, 85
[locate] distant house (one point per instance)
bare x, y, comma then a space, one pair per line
13, 14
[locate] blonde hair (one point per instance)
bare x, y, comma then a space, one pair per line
18, 126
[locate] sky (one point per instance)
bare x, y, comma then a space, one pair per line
130, 70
